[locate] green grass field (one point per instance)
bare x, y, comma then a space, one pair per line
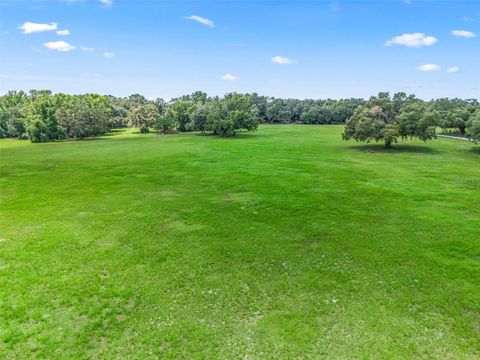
287, 243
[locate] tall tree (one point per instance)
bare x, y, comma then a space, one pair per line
473, 129
413, 119
180, 111
453, 113
144, 117
199, 117
12, 119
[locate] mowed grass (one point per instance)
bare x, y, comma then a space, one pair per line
286, 244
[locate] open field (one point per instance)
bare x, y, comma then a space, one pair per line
287, 243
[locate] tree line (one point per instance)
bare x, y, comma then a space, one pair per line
40, 115
387, 118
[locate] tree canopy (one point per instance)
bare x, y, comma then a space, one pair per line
385, 118
144, 116
473, 126
40, 115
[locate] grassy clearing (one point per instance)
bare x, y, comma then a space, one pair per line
284, 244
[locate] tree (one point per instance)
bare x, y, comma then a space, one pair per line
460, 116
137, 99
165, 122
37, 130
369, 124
241, 110
343, 109
199, 97
383, 101
144, 116
277, 112
119, 112
316, 114
82, 116
416, 120
41, 116
232, 113
180, 112
453, 113
160, 104
473, 129
12, 120
219, 122
261, 103
199, 117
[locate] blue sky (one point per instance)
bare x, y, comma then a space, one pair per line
302, 49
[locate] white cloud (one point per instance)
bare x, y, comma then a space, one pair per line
229, 77
464, 34
30, 27
106, 2
108, 54
63, 32
62, 46
281, 60
412, 40
85, 48
453, 70
429, 68
201, 20
408, 2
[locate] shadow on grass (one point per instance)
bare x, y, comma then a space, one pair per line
245, 135
116, 132
238, 135
397, 148
476, 149
112, 133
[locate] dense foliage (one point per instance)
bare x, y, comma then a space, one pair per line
42, 116
144, 116
473, 129
385, 118
454, 113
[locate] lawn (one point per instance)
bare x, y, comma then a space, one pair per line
287, 243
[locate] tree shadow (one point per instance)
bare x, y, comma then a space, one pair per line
238, 135
111, 133
396, 148
476, 149
93, 138
245, 135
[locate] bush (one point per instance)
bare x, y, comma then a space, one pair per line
224, 127
37, 130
